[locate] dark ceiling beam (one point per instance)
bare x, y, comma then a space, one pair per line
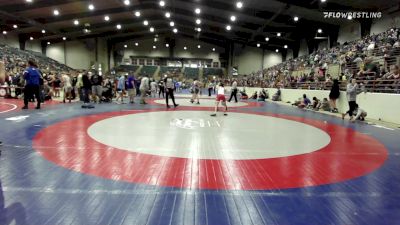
317, 4
20, 7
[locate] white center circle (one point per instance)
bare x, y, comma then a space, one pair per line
203, 103
194, 134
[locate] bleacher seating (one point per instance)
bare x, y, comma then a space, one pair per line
126, 68
170, 69
191, 73
148, 70
212, 72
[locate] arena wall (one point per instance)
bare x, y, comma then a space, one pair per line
379, 106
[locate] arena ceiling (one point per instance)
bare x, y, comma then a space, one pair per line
255, 21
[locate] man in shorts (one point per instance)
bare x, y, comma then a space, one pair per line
97, 87
220, 99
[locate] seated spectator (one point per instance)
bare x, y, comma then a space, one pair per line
360, 114
262, 95
243, 94
305, 102
325, 106
277, 95
316, 104
254, 96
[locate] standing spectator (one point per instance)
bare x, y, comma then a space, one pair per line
97, 87
131, 88
195, 92
86, 89
352, 89
161, 89
67, 87
334, 95
32, 80
121, 88
234, 91
144, 88
153, 86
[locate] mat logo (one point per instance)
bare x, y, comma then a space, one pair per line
191, 124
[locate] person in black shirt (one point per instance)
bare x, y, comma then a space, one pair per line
86, 88
334, 95
97, 89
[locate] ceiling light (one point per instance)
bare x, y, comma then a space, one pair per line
277, 50
167, 14
127, 2
154, 47
213, 49
258, 45
198, 21
119, 26
233, 18
48, 43
162, 3
285, 46
172, 23
4, 32
136, 44
228, 27
197, 11
125, 46
28, 0
76, 22
43, 31
137, 13
56, 12
198, 46
15, 26
198, 29
296, 18
239, 5
167, 45
349, 17
64, 38
151, 29
155, 39
323, 0
31, 38
175, 30
185, 48
267, 39
91, 7
278, 34
107, 18
319, 30
146, 23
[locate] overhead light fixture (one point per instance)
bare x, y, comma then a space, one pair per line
137, 14
107, 18
91, 7
172, 23
213, 49
31, 38
296, 18
154, 47
175, 30
43, 31
119, 26
146, 23
198, 29
127, 2
285, 46
197, 10
64, 38
56, 12
198, 21
323, 1
233, 18
239, 5
48, 43
185, 48
349, 17
162, 3
136, 44
277, 50
267, 39
258, 45
167, 45
168, 14
125, 46
4, 32
155, 39
228, 27
15, 26
29, 1
76, 22
198, 46
278, 34
319, 31
151, 29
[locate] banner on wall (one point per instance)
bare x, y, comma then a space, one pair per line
2, 72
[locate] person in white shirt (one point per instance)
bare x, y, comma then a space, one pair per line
360, 114
153, 88
234, 91
220, 99
144, 88
67, 87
